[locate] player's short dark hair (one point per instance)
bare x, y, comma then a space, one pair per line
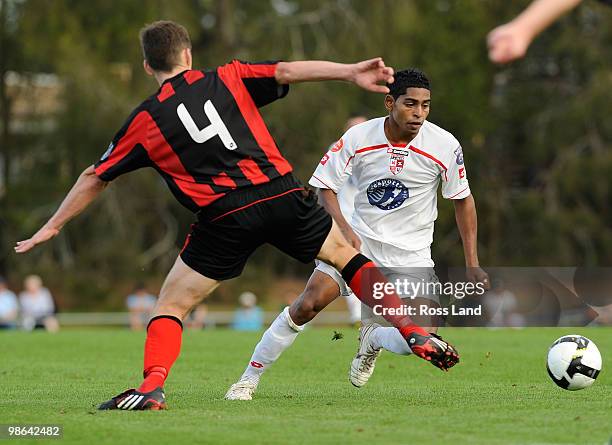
162, 43
408, 78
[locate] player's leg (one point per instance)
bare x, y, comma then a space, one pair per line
373, 338
361, 274
301, 228
421, 272
183, 289
320, 290
354, 308
323, 287
390, 339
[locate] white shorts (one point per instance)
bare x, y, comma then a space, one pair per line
335, 275
405, 265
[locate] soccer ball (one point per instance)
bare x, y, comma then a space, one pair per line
573, 362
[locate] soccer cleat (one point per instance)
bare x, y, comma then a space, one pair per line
243, 389
364, 362
433, 349
132, 400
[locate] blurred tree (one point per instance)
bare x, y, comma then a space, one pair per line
536, 134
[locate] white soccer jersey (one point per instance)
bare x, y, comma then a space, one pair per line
346, 198
396, 199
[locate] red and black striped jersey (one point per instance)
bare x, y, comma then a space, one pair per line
202, 131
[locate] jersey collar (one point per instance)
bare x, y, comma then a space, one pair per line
171, 79
389, 144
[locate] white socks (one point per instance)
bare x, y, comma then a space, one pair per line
354, 307
278, 337
389, 339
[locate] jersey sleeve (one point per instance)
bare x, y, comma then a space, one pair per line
455, 184
126, 151
336, 166
258, 78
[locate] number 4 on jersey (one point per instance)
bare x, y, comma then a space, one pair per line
216, 127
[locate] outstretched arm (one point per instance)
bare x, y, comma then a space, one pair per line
83, 192
367, 74
511, 40
467, 223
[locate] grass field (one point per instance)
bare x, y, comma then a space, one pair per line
499, 393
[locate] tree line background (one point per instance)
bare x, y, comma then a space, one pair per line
536, 134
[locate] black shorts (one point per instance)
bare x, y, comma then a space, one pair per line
281, 212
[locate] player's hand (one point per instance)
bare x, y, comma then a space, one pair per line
369, 74
478, 275
507, 43
44, 234
352, 237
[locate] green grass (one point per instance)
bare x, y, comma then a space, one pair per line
498, 394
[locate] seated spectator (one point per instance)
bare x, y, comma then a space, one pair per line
140, 304
8, 306
248, 317
501, 306
197, 318
37, 306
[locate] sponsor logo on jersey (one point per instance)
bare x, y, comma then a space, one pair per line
337, 146
398, 151
324, 159
462, 173
459, 153
108, 151
387, 194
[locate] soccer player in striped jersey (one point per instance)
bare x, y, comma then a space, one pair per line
396, 164
203, 133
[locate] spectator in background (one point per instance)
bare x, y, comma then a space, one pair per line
604, 315
37, 306
8, 306
501, 306
249, 317
140, 303
197, 319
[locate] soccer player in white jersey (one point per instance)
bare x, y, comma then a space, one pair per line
396, 163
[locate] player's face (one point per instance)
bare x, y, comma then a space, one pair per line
410, 110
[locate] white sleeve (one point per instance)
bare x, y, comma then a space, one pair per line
455, 184
336, 165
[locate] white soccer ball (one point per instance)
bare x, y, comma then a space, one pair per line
573, 362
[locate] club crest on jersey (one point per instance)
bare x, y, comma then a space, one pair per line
387, 194
396, 164
396, 159
337, 146
459, 153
